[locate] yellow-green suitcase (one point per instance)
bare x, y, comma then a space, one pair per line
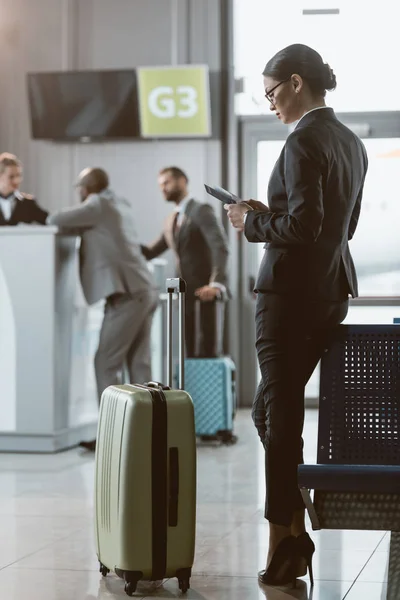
145, 486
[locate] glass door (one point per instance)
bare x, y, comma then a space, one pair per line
376, 245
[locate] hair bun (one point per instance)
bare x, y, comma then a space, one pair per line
330, 78
306, 62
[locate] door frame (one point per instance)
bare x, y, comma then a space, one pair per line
255, 129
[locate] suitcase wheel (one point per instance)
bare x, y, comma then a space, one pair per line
132, 578
103, 570
184, 585
209, 438
130, 588
183, 576
227, 437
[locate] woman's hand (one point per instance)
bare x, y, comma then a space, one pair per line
236, 214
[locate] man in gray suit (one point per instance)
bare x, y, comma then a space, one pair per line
112, 267
200, 246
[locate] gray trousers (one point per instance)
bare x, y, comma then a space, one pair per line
125, 339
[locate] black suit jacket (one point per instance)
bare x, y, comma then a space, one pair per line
314, 198
26, 210
199, 244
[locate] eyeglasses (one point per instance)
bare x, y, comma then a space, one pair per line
268, 94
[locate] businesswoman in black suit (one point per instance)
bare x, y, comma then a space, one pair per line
304, 281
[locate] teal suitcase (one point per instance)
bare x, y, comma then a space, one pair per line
211, 383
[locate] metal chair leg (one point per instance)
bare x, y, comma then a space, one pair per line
310, 508
393, 592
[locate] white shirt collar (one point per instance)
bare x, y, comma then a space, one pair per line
181, 207
294, 125
7, 205
14, 195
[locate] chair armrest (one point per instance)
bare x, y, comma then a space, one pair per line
382, 479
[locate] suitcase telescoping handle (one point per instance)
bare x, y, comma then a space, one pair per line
176, 286
219, 305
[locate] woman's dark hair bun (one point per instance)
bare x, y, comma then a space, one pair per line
304, 61
330, 78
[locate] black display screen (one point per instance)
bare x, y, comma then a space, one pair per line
83, 104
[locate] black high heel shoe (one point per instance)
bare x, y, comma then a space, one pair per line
305, 548
282, 568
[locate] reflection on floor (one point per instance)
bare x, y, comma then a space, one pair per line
46, 541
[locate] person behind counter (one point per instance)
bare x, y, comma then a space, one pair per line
16, 207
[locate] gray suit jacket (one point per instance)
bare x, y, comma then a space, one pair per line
200, 246
110, 257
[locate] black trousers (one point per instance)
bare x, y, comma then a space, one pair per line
207, 331
291, 337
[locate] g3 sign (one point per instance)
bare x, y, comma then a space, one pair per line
174, 101
164, 105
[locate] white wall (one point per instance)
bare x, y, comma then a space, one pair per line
42, 35
359, 43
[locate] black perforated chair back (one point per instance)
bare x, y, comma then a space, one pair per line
359, 417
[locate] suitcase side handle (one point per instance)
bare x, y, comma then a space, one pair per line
173, 486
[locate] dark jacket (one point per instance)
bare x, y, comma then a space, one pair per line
314, 197
200, 246
26, 210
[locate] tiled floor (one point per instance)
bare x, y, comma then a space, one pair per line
47, 550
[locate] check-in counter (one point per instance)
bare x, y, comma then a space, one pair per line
48, 338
